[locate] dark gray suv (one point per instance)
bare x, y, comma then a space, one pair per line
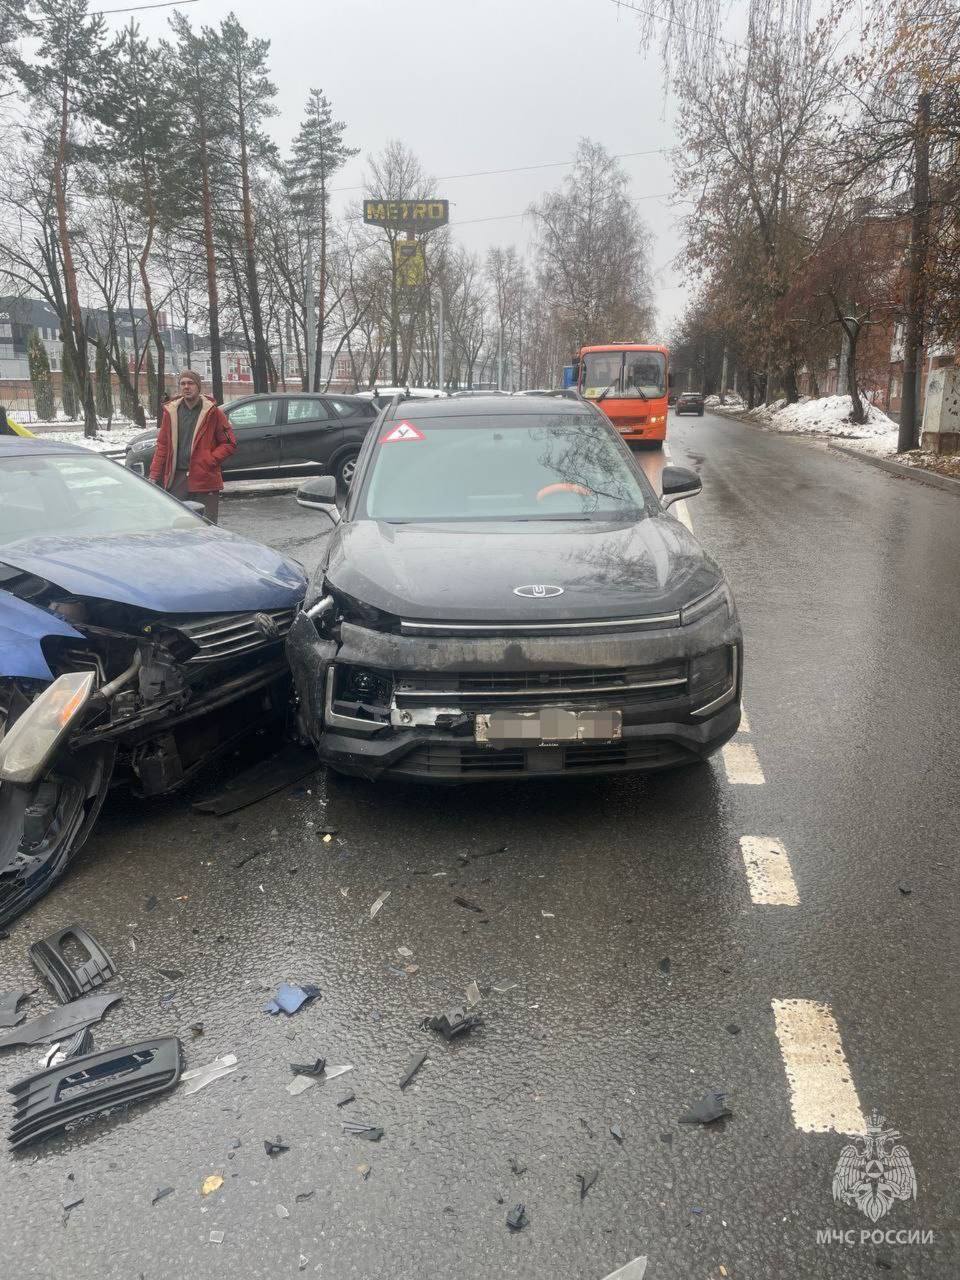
284, 433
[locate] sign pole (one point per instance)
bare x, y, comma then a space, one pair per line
440, 354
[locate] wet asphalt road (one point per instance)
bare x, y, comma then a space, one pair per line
847, 581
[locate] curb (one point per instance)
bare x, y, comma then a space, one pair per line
931, 478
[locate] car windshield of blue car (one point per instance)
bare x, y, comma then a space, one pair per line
43, 495
518, 467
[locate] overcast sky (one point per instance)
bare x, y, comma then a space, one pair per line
474, 85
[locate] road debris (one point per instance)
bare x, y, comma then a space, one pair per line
501, 987
586, 1181
667, 1138
347, 1098
664, 965
289, 765
547, 915
452, 1022
196, 1028
379, 903
315, 1068
198, 1078
412, 1067
468, 905
10, 1014
61, 1023
472, 993
275, 1148
283, 1211
302, 1196
76, 1047
71, 981
364, 1171
905, 889
371, 1132
630, 1271
405, 952
211, 1184
616, 1133
172, 975
247, 857
302, 1263
161, 1193
290, 997
167, 999
217, 1237
516, 1167
733, 1028
517, 1217
151, 903
710, 1107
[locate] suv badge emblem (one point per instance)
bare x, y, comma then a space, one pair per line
538, 591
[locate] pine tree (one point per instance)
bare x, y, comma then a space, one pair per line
40, 377
318, 153
152, 385
102, 383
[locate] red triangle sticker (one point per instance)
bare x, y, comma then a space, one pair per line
402, 431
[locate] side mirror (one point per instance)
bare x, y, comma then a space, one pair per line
320, 494
197, 508
677, 483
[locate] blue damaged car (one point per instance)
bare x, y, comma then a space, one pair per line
136, 642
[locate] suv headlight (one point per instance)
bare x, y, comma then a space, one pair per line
718, 597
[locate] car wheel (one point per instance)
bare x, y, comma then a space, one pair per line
344, 471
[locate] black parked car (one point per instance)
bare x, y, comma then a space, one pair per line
505, 596
288, 433
689, 402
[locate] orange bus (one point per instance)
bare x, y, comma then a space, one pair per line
628, 380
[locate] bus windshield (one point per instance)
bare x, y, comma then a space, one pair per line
624, 374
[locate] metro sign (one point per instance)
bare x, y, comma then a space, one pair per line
406, 215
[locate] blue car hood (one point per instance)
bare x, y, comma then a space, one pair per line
202, 570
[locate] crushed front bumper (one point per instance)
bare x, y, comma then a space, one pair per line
432, 736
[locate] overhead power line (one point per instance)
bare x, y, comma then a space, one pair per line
522, 168
675, 22
164, 4
500, 217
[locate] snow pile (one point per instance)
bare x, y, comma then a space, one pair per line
731, 401
828, 416
115, 438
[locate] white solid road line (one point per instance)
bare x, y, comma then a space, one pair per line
742, 765
744, 722
768, 872
680, 508
822, 1094
632, 1271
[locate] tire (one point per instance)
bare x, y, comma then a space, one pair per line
344, 470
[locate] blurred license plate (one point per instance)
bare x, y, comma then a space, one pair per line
547, 726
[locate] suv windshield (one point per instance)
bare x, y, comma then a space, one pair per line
523, 467
627, 374
71, 494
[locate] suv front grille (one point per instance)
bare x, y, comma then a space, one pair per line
443, 760
224, 635
644, 682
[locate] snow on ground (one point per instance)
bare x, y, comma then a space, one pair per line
829, 417
115, 438
731, 401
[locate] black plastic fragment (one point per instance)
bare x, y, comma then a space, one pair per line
151, 903
586, 1181
69, 983
349, 1096
372, 1132
517, 1217
275, 1148
289, 765
468, 905
47, 1102
452, 1022
516, 1167
664, 965
162, 1193
412, 1067
710, 1107
301, 1196
9, 1014
173, 975
248, 857
62, 1022
316, 1068
616, 1133
79, 1045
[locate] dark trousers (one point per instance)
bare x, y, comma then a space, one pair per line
211, 501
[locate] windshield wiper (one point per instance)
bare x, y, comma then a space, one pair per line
606, 390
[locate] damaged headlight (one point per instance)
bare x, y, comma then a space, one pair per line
359, 694
717, 598
33, 738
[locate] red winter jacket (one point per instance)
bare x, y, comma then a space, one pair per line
213, 443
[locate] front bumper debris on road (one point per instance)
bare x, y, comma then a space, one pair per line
422, 707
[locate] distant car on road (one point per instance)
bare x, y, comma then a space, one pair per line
689, 402
136, 641
288, 433
506, 596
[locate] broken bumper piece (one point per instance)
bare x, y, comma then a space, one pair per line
68, 981
47, 1102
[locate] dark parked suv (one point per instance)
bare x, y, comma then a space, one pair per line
286, 433
689, 402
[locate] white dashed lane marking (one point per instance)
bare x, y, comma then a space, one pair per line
742, 765
822, 1094
768, 872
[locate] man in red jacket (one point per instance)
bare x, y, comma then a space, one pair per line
194, 439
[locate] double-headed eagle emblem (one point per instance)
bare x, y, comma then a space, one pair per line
874, 1170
